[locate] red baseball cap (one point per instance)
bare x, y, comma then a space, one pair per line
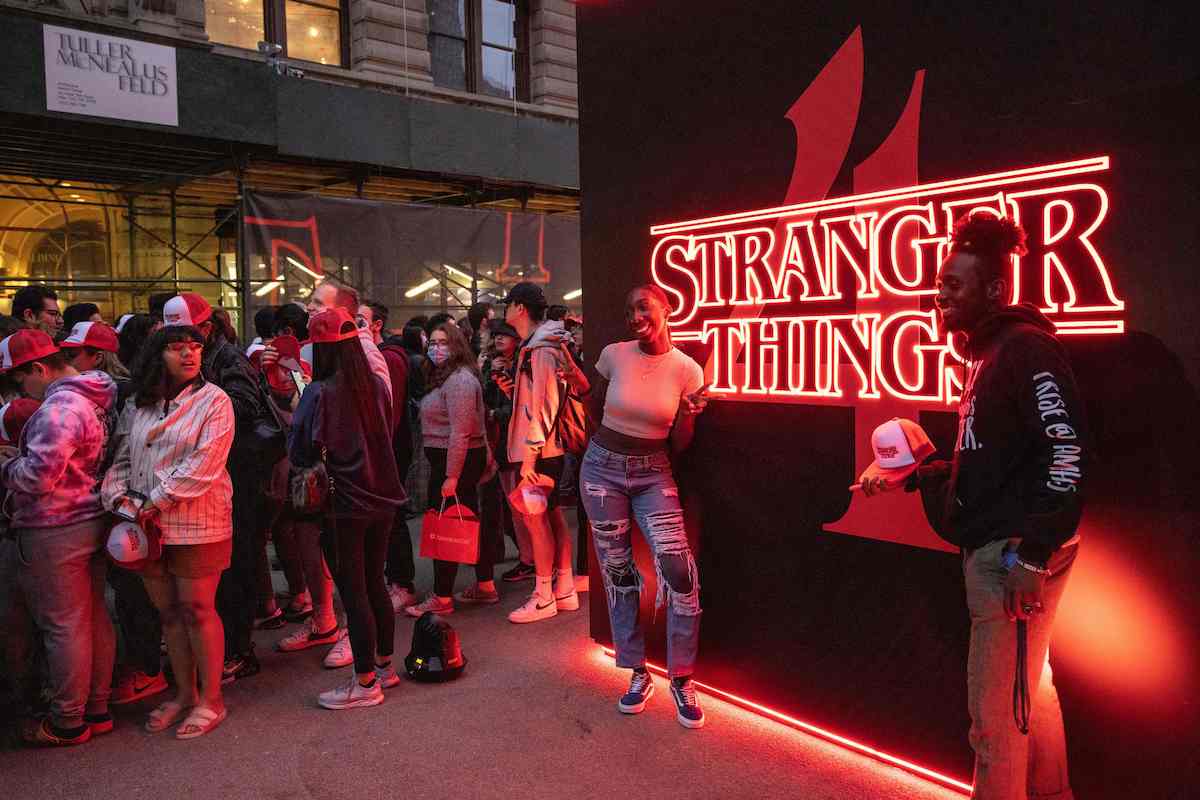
900, 446
13, 416
96, 335
328, 326
25, 346
186, 308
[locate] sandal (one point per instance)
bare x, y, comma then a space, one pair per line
163, 717
201, 721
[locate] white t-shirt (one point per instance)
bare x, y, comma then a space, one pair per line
644, 391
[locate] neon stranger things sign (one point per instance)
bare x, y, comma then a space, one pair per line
834, 298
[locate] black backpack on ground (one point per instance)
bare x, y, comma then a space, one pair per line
436, 652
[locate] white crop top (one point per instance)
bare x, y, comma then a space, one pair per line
644, 391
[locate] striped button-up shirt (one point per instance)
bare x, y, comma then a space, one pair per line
174, 453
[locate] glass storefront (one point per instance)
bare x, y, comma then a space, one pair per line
92, 245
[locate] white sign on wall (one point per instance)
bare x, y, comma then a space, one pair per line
106, 76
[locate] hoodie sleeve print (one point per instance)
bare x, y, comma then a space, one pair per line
212, 430
542, 405
1052, 413
50, 441
116, 480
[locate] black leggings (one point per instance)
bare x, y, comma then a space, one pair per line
355, 550
444, 572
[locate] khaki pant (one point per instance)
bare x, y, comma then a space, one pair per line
1008, 764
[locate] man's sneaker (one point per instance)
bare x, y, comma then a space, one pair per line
568, 601
640, 689
401, 597
386, 677
521, 572
307, 637
341, 655
300, 609
473, 594
432, 603
134, 685
352, 695
99, 724
41, 733
244, 666
273, 621
534, 610
687, 707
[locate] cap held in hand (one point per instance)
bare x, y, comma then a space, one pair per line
900, 446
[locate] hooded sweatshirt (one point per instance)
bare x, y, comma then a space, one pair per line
537, 395
1021, 449
54, 481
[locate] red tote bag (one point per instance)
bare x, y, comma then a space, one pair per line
451, 534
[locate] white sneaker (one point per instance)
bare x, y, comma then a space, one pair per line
432, 603
341, 655
401, 598
386, 677
567, 602
352, 695
534, 610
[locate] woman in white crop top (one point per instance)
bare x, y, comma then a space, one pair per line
652, 394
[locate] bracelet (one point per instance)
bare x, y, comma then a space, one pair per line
1033, 567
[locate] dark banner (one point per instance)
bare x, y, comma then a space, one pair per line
418, 258
788, 172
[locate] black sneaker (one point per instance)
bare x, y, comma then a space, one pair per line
640, 689
687, 707
521, 572
273, 621
243, 666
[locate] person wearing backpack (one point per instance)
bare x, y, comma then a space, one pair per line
651, 394
534, 444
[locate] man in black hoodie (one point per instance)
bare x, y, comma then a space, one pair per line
1011, 499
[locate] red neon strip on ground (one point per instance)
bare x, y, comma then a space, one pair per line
792, 722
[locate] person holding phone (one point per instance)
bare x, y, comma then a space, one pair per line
651, 394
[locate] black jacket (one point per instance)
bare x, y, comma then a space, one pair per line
226, 366
1021, 452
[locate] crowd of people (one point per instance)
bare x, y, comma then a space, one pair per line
315, 437
164, 424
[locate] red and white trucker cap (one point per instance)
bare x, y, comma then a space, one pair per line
123, 321
900, 446
96, 335
187, 308
131, 547
25, 346
330, 326
13, 416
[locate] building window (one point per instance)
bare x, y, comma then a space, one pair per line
480, 46
309, 30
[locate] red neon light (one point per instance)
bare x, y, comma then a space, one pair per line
885, 244
829, 736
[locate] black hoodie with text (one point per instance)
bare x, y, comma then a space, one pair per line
1021, 448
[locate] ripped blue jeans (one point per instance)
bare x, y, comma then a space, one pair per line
616, 488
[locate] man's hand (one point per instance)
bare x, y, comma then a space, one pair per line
874, 486
569, 372
450, 487
529, 469
269, 357
1023, 593
506, 385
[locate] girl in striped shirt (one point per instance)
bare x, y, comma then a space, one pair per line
172, 444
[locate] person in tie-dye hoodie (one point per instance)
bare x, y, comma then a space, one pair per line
59, 526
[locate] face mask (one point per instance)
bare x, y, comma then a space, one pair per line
438, 353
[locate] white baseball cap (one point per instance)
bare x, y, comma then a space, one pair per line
128, 545
900, 446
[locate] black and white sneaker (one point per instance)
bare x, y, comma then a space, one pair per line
521, 572
687, 707
640, 689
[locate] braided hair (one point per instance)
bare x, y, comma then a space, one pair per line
993, 240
